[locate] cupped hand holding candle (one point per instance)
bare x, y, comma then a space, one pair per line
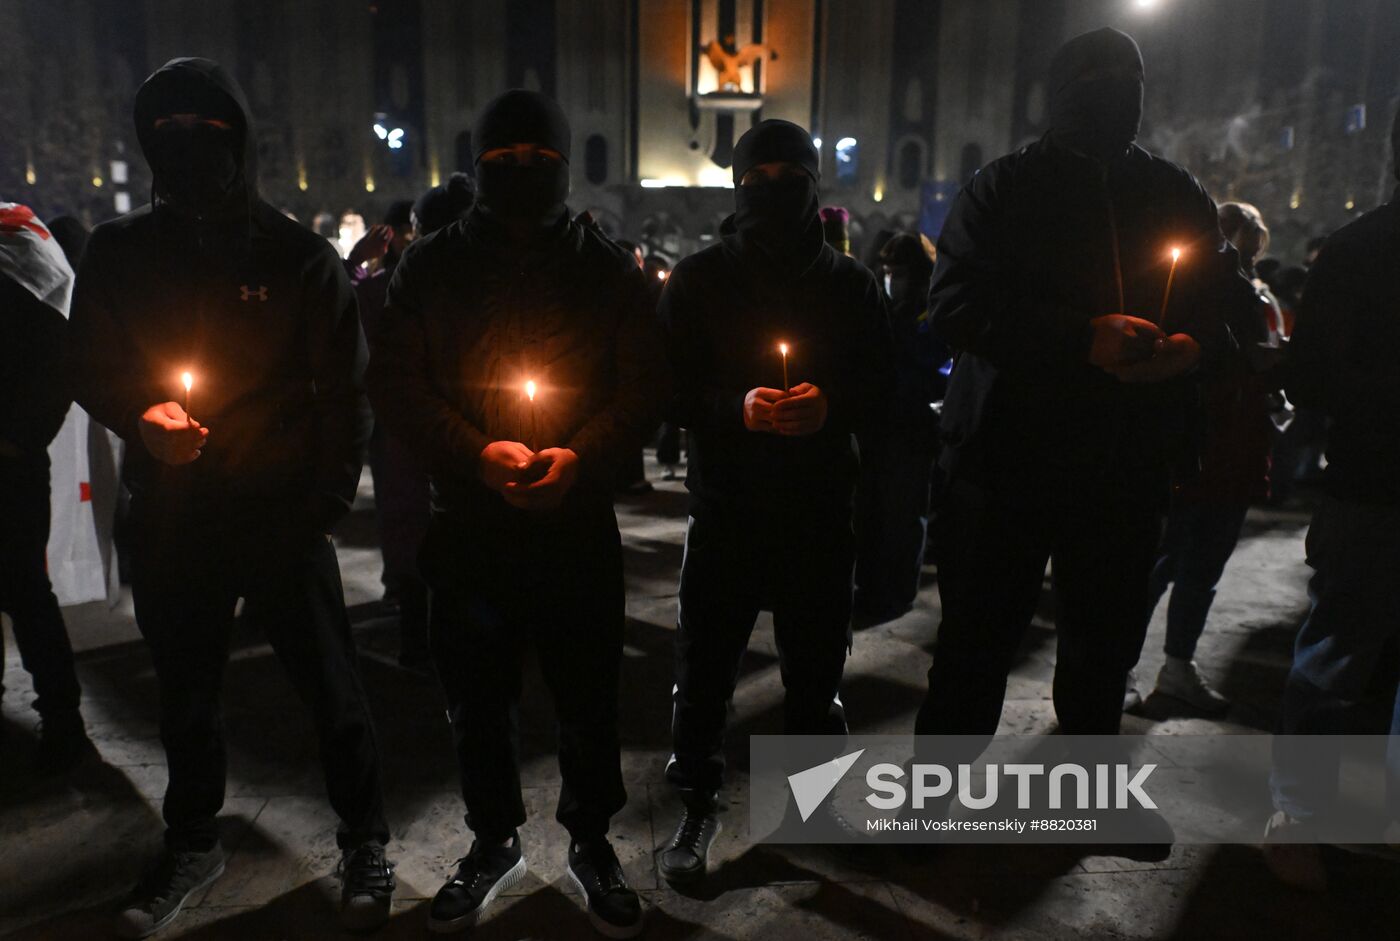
758, 408
802, 412
1121, 340
170, 434
501, 463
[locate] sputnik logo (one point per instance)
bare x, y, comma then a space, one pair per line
811, 787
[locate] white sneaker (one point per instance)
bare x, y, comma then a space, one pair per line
1182, 679
1293, 863
1132, 697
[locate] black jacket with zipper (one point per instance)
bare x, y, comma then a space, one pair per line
470, 319
1038, 243
259, 309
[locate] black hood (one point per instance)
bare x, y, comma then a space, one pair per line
200, 86
1095, 93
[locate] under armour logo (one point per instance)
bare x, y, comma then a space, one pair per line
248, 293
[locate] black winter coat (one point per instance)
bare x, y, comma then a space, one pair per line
724, 318
469, 320
1037, 244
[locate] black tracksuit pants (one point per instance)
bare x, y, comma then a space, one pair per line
188, 572
734, 567
557, 588
25, 592
992, 545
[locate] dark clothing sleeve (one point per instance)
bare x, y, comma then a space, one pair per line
404, 393
337, 355
1327, 368
863, 403
695, 402
642, 386
34, 387
974, 299
108, 381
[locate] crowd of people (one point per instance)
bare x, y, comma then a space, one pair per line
1088, 371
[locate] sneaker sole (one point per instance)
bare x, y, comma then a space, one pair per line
511, 878
126, 930
601, 925
692, 876
1208, 712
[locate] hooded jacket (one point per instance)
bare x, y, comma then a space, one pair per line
725, 309
1036, 245
255, 306
471, 318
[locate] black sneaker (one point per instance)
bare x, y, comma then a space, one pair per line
613, 908
367, 887
685, 859
63, 743
482, 874
158, 899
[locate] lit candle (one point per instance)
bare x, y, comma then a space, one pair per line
1167, 294
187, 380
530, 390
783, 350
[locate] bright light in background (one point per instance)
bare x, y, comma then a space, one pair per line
1146, 4
97, 181
817, 143
380, 131
662, 184
369, 184
30, 176
716, 176
847, 152
879, 193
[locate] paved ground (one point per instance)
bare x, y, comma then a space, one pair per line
68, 849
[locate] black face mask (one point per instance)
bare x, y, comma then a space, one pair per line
774, 216
1098, 116
196, 169
523, 195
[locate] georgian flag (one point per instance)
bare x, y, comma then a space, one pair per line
31, 257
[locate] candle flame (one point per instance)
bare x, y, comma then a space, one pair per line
187, 379
1176, 253
530, 390
782, 348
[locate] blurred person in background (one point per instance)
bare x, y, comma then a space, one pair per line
36, 284
896, 472
1210, 500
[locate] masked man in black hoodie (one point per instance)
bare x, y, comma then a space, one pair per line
237, 481
1071, 392
519, 357
772, 469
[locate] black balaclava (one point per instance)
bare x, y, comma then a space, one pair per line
1095, 89
199, 170
522, 197
777, 219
